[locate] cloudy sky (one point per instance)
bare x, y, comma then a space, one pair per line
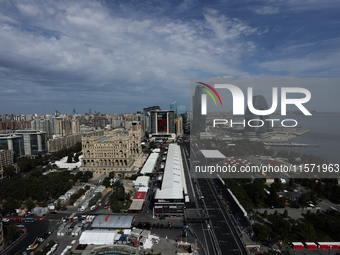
121, 56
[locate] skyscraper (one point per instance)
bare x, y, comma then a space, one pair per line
162, 122
198, 124
182, 111
173, 107
259, 102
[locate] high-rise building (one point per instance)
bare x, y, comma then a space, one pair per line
63, 126
259, 102
13, 125
152, 108
14, 143
199, 121
182, 111
99, 122
162, 122
75, 126
59, 143
6, 159
173, 107
146, 116
42, 125
34, 141
179, 125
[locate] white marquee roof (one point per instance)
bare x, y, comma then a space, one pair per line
174, 183
98, 237
212, 154
136, 205
150, 163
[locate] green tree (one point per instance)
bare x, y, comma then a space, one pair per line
76, 157
133, 177
265, 214
285, 214
25, 165
262, 232
273, 198
58, 205
306, 231
79, 175
29, 204
10, 233
11, 205
291, 183
115, 206
106, 182
9, 171
280, 226
86, 176
69, 158
304, 199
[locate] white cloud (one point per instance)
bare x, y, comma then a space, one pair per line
266, 10
86, 40
94, 50
227, 28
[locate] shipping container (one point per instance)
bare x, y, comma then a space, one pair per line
298, 246
310, 245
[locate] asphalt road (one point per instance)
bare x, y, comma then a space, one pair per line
228, 238
221, 234
35, 229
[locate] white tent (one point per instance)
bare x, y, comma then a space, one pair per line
98, 237
174, 183
150, 164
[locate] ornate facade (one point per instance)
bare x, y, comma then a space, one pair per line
115, 151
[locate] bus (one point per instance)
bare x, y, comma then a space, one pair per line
29, 220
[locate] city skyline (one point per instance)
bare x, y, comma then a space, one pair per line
119, 56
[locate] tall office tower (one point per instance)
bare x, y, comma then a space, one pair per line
14, 143
162, 122
63, 126
173, 107
42, 125
179, 125
259, 102
6, 159
75, 126
147, 118
182, 111
198, 124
